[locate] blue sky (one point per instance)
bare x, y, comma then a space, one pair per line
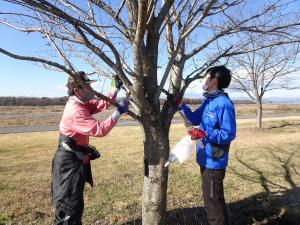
21, 78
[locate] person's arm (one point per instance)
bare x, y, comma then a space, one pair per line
194, 117
226, 131
96, 106
86, 124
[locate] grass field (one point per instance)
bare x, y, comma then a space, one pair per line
262, 184
14, 116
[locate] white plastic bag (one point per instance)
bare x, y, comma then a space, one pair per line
182, 151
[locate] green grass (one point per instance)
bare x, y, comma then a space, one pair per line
261, 185
4, 219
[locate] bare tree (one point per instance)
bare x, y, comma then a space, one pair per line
129, 40
264, 70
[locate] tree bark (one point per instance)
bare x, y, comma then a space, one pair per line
259, 114
156, 152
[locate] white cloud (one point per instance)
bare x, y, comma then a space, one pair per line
194, 90
61, 88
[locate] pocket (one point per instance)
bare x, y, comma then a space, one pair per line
218, 150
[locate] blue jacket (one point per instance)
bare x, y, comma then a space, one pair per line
216, 116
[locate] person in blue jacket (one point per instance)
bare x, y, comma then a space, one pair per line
216, 117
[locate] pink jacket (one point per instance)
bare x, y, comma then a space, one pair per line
77, 120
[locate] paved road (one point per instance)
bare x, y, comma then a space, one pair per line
8, 130
42, 128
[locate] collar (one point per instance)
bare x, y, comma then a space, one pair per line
75, 99
214, 94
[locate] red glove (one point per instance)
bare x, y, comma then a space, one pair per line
196, 134
177, 101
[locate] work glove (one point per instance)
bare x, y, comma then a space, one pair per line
177, 101
116, 82
123, 106
115, 85
196, 134
93, 153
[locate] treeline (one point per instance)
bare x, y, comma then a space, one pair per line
44, 101
31, 101
189, 101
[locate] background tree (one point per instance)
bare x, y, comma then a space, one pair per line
264, 70
129, 40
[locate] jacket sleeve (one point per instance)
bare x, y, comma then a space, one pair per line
226, 131
86, 124
194, 117
96, 106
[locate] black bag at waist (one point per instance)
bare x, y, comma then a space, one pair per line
71, 143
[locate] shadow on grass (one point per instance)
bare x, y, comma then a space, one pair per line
268, 208
284, 124
263, 208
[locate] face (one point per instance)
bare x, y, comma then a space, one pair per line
209, 84
84, 94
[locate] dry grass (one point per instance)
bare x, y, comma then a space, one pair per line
261, 185
13, 116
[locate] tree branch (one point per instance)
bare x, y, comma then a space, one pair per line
35, 59
210, 4
105, 58
115, 16
120, 8
42, 31
164, 11
69, 72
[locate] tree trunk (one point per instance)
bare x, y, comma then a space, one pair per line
259, 113
156, 152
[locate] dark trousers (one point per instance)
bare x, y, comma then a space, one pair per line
213, 196
63, 217
68, 178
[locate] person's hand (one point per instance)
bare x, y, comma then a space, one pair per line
118, 82
177, 101
93, 153
196, 134
85, 160
123, 106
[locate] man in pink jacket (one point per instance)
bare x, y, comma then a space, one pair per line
71, 164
